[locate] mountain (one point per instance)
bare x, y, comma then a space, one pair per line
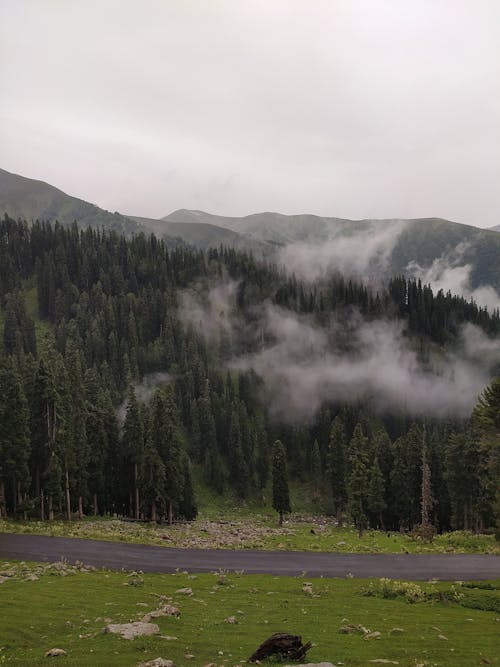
29, 199
202, 235
496, 228
430, 247
450, 255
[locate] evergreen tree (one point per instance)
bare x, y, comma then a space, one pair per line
337, 466
281, 494
376, 494
357, 485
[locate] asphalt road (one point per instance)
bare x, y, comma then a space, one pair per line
116, 555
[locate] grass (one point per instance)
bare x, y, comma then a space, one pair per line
69, 612
300, 533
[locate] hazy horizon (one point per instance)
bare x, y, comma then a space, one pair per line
353, 109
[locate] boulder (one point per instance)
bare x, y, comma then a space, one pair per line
131, 630
55, 652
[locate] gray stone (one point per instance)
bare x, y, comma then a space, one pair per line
131, 630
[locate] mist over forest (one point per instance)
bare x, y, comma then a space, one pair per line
167, 367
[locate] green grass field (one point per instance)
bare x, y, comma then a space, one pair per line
70, 612
301, 533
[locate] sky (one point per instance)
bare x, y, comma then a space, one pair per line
348, 108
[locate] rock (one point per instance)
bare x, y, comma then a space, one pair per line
131, 630
314, 664
210, 664
170, 610
443, 637
55, 652
308, 589
373, 635
157, 662
185, 591
396, 631
31, 577
351, 629
231, 620
383, 661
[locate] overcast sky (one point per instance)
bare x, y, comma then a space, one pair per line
352, 108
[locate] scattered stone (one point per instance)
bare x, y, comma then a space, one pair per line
351, 629
443, 637
185, 591
396, 631
157, 662
373, 635
188, 656
307, 588
131, 630
168, 638
31, 577
314, 664
383, 661
55, 652
210, 664
231, 620
170, 610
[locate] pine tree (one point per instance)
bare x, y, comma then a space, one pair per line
14, 437
376, 493
486, 423
316, 469
357, 485
281, 494
337, 466
133, 446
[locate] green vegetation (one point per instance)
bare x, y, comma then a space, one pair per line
67, 607
125, 367
257, 531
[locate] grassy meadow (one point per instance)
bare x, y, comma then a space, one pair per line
67, 607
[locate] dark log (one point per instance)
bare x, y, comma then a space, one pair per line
281, 644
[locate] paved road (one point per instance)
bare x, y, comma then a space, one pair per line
115, 555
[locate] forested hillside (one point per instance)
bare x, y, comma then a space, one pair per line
142, 362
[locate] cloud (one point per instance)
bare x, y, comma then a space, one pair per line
450, 274
349, 361
353, 251
306, 366
144, 392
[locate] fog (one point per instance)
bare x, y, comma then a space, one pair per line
350, 360
143, 391
450, 273
356, 252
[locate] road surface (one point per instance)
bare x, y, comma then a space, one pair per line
117, 555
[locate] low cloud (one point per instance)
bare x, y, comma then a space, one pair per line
350, 250
305, 368
450, 274
144, 392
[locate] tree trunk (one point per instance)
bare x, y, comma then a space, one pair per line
381, 519
42, 505
170, 513
3, 509
136, 476
68, 499
96, 508
51, 509
80, 507
280, 521
14, 494
339, 518
153, 511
